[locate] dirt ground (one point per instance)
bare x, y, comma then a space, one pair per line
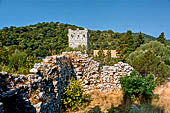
164, 97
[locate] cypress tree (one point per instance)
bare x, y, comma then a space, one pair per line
161, 38
140, 40
130, 47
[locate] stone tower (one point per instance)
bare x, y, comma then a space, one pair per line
78, 37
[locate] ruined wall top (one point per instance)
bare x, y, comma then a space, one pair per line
78, 30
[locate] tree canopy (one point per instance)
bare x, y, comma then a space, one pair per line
151, 58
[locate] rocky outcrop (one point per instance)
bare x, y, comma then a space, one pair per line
42, 89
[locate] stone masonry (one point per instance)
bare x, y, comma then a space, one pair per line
92, 77
41, 90
38, 92
78, 38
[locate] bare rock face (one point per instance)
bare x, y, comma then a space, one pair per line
41, 90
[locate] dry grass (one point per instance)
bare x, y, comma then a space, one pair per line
105, 100
164, 97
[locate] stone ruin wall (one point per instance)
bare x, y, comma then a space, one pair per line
38, 92
88, 72
42, 90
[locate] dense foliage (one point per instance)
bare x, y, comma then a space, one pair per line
41, 39
128, 44
19, 62
152, 57
136, 87
37, 40
73, 96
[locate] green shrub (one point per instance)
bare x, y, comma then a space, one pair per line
112, 110
73, 96
136, 87
96, 109
144, 108
152, 57
17, 59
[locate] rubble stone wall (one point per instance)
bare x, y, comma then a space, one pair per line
41, 90
93, 76
13, 94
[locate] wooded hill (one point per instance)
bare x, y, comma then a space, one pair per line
43, 39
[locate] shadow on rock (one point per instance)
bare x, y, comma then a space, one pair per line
16, 104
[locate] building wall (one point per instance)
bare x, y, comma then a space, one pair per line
113, 53
78, 37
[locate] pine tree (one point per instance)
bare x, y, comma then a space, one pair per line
129, 43
140, 40
161, 38
126, 44
129, 38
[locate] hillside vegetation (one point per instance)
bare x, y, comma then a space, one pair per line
29, 44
